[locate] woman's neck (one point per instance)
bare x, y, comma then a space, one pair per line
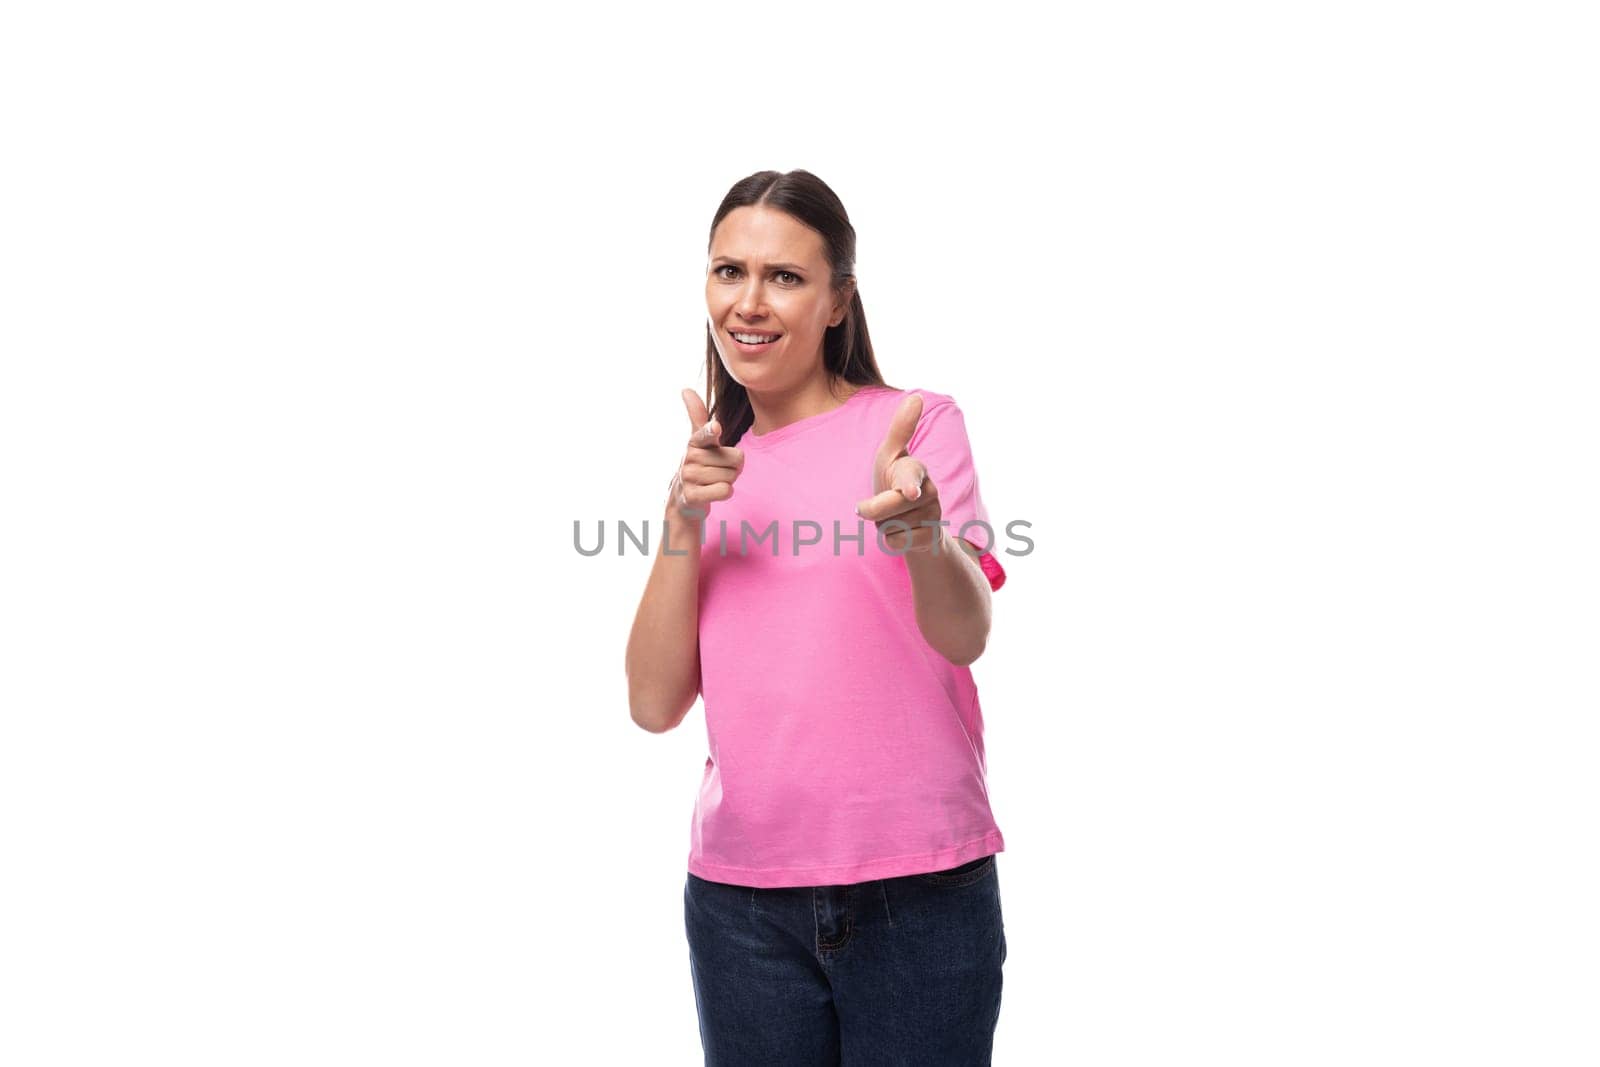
774, 411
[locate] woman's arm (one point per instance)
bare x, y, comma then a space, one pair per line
952, 598
663, 662
664, 648
949, 589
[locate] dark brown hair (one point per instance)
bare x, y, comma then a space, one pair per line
846, 348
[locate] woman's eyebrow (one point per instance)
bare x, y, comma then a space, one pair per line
774, 266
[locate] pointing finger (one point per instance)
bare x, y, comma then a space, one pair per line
908, 476
885, 505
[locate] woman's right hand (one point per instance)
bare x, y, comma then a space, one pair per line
708, 469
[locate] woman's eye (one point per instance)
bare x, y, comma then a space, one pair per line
793, 278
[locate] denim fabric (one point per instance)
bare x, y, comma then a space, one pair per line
895, 971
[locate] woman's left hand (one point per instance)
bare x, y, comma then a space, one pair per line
903, 491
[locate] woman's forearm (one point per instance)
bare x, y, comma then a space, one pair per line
663, 661
952, 599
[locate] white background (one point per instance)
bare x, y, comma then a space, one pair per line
321, 323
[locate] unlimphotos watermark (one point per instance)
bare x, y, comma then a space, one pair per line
641, 540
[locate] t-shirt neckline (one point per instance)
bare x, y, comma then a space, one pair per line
751, 439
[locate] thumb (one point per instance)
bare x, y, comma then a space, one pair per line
901, 427
698, 416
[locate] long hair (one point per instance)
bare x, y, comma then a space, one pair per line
846, 348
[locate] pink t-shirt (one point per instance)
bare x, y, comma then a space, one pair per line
843, 748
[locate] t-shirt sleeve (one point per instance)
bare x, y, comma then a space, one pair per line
940, 442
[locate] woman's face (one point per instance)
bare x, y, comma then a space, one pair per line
768, 275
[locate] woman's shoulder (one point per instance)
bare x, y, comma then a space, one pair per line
891, 396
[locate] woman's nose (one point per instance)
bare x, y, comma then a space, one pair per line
749, 301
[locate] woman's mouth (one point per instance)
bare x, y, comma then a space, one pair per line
753, 343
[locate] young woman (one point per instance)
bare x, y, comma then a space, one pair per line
842, 898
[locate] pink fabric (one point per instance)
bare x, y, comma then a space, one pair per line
843, 748
991, 568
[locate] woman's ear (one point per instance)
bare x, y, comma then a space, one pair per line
842, 308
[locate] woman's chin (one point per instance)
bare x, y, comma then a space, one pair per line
752, 374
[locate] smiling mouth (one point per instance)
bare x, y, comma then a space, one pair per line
753, 339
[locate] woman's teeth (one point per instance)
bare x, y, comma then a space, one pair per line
755, 338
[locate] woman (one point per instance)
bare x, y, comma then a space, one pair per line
842, 898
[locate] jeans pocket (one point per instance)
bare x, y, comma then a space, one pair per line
960, 875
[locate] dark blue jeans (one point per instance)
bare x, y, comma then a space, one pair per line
896, 971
